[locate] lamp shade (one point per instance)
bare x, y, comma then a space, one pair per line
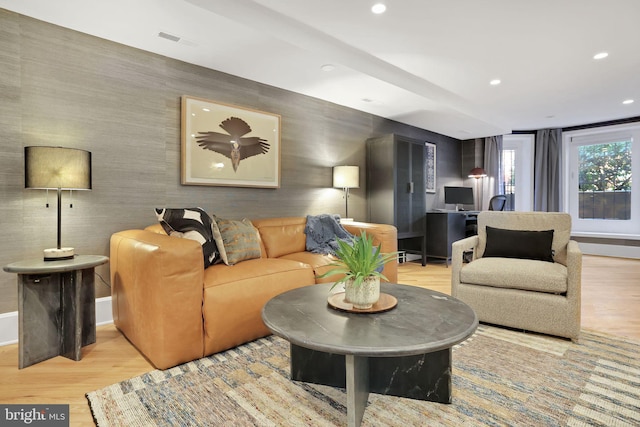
477, 173
57, 167
346, 177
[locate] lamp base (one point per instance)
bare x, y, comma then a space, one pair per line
56, 254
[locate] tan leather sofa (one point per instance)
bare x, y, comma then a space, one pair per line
175, 311
533, 295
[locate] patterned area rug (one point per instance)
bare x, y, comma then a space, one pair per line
500, 378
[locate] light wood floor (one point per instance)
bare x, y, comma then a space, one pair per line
610, 301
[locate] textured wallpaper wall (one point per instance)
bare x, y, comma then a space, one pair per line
61, 87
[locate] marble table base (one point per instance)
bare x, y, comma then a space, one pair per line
423, 377
56, 315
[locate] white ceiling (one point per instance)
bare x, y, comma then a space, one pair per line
427, 63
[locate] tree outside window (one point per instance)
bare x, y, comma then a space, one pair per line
605, 180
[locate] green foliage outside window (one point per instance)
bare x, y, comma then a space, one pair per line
605, 167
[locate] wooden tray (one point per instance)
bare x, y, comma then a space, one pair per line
385, 303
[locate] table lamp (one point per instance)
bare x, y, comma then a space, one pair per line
346, 177
57, 168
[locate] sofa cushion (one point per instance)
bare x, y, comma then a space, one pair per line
234, 297
236, 240
191, 223
282, 236
526, 274
319, 263
256, 270
519, 244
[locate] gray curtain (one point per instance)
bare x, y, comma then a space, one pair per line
546, 180
493, 167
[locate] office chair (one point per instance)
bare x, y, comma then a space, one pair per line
497, 202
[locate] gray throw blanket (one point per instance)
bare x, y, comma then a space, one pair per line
323, 232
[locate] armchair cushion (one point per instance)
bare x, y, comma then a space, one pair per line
526, 244
525, 274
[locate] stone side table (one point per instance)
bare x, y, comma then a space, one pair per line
56, 307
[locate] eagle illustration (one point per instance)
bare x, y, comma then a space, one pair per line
233, 145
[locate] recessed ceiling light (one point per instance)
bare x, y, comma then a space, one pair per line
328, 67
378, 8
206, 110
495, 82
627, 101
600, 55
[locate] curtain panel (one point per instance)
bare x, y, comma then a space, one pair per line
493, 168
546, 180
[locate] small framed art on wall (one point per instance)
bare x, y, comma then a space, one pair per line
430, 167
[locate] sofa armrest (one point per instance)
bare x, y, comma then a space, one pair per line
385, 236
157, 292
458, 249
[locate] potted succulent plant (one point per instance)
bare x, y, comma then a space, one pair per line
361, 263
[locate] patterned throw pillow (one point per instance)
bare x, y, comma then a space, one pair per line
236, 240
191, 223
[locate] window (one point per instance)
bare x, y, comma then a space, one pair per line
599, 168
604, 180
517, 171
508, 184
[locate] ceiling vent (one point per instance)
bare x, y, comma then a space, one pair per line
168, 36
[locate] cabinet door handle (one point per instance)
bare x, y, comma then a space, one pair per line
410, 187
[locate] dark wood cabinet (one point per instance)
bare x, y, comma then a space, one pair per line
396, 188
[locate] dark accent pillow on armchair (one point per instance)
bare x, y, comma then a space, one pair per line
519, 244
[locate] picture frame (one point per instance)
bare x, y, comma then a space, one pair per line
228, 145
430, 167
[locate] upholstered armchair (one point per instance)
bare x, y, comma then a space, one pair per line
524, 272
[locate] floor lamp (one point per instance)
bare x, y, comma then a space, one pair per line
478, 173
346, 177
57, 168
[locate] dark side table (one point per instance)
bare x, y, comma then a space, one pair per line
56, 307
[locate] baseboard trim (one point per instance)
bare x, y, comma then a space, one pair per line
9, 321
617, 251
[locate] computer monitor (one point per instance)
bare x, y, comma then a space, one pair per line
458, 196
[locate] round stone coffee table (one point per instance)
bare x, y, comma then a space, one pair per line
403, 352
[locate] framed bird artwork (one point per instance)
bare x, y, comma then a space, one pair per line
228, 145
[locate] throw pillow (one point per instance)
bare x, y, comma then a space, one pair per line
236, 240
519, 244
191, 223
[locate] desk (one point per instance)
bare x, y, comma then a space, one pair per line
444, 228
56, 307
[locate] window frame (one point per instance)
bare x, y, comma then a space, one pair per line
524, 146
571, 141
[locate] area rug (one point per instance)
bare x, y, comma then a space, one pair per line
500, 378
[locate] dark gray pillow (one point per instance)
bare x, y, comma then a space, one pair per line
191, 223
519, 244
